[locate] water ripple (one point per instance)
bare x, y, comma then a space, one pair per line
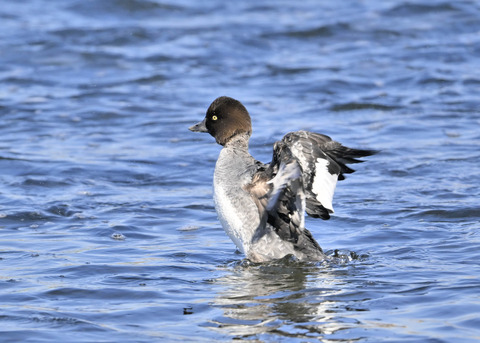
107, 226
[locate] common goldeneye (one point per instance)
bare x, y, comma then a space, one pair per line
262, 206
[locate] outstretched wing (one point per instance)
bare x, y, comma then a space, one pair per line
323, 162
301, 178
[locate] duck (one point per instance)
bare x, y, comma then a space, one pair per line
262, 206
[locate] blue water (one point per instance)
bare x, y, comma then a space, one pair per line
107, 227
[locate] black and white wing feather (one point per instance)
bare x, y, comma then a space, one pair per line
301, 178
323, 162
277, 190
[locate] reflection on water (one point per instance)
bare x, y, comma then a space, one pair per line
283, 298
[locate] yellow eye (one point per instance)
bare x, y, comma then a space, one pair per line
214, 118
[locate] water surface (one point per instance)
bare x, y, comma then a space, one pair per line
107, 226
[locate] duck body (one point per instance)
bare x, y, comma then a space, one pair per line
233, 182
262, 206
